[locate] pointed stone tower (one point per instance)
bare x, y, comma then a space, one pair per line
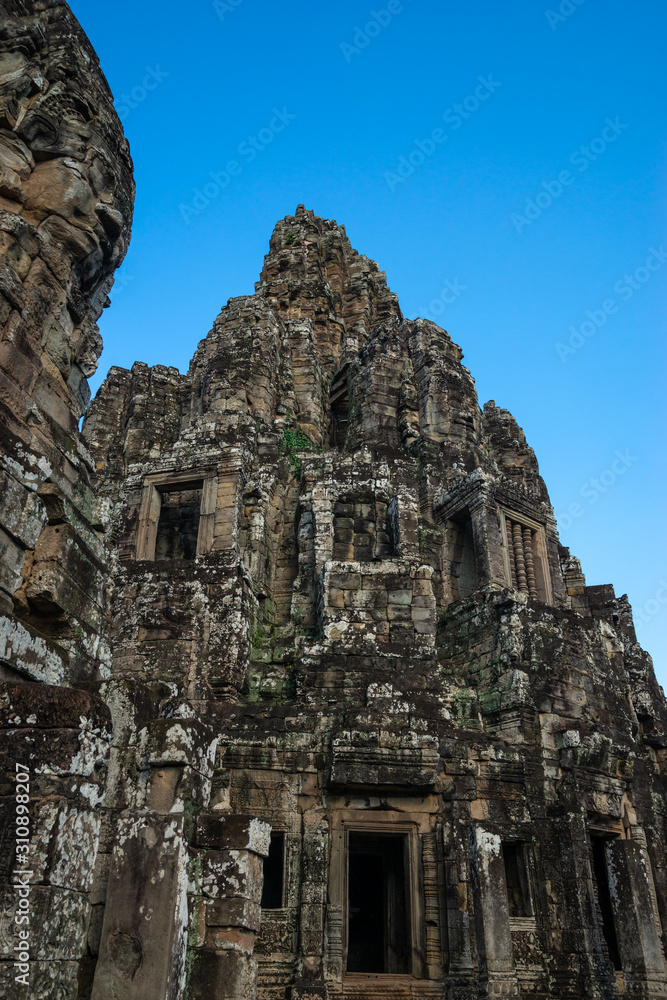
339, 609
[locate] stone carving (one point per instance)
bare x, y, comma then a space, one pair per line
66, 195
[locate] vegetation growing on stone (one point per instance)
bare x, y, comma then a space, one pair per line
292, 441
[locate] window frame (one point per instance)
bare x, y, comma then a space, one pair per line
454, 528
527, 522
154, 486
414, 879
525, 847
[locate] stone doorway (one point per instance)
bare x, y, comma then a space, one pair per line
378, 924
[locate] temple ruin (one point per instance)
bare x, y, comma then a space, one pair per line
310, 700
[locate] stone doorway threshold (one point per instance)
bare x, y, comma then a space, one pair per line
364, 986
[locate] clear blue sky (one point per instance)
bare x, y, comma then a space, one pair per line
540, 201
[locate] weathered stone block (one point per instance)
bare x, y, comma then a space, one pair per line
345, 581
65, 843
45, 706
53, 751
225, 974
30, 654
66, 575
180, 741
353, 763
336, 598
24, 513
400, 597
12, 557
233, 832
399, 613
232, 873
175, 788
236, 911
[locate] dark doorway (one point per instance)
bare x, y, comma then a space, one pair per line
601, 884
178, 526
516, 877
272, 891
378, 937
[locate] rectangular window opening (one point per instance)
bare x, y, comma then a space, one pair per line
525, 558
517, 879
378, 937
339, 403
272, 891
601, 886
178, 523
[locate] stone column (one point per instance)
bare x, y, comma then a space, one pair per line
58, 737
583, 936
460, 961
314, 878
497, 977
226, 880
637, 929
142, 951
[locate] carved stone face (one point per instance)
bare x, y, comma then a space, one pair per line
66, 187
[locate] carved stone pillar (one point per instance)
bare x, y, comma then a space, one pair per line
635, 917
143, 944
225, 896
488, 542
497, 977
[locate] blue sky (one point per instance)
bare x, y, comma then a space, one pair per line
527, 216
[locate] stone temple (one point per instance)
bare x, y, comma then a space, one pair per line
304, 696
